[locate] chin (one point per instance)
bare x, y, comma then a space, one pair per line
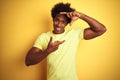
58, 31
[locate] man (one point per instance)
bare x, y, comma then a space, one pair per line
59, 45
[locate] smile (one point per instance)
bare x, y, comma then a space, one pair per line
57, 28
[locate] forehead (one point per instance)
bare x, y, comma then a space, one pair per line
61, 17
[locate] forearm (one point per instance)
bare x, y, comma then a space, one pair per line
94, 24
35, 57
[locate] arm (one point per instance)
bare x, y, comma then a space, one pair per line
95, 29
35, 55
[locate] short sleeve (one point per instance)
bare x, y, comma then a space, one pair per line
39, 42
80, 33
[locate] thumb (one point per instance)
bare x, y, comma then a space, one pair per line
71, 22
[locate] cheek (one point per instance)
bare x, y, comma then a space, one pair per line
64, 25
54, 23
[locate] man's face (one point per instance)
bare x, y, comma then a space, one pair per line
59, 24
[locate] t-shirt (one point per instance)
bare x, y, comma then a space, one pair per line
61, 63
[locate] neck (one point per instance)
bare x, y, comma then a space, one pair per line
57, 32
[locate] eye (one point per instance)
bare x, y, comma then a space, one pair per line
56, 19
64, 22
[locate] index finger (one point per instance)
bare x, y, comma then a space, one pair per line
63, 12
60, 42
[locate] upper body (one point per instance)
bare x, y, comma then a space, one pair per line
61, 63
63, 15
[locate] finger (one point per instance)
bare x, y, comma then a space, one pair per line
71, 14
63, 12
68, 15
50, 40
74, 14
60, 42
71, 22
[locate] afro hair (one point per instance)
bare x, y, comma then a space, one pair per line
61, 7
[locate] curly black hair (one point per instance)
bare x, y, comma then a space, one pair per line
61, 7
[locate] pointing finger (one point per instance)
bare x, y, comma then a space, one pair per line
62, 41
59, 42
67, 13
63, 12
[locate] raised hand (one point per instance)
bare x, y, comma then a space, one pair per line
53, 46
73, 15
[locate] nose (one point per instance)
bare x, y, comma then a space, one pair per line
58, 24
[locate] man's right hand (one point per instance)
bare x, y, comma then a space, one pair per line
53, 46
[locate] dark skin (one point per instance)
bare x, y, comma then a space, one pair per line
35, 55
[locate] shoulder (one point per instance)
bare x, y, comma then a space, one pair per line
79, 32
43, 35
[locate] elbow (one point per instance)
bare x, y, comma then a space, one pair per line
103, 30
27, 62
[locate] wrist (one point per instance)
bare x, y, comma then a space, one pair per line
81, 15
46, 51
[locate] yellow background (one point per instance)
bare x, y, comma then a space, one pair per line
23, 20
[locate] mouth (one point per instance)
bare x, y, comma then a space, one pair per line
57, 28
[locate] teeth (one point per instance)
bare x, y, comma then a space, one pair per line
58, 28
